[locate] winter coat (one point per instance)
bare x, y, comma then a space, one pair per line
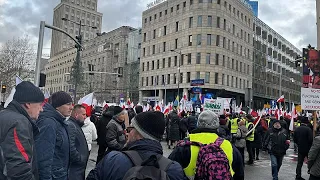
192, 122
115, 137
89, 131
241, 136
303, 137
102, 127
275, 141
79, 153
17, 152
183, 125
314, 157
182, 155
224, 132
52, 145
173, 120
115, 164
258, 133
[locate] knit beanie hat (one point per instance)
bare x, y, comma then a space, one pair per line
26, 92
208, 119
59, 98
117, 110
149, 124
138, 109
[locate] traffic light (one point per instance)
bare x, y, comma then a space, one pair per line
3, 89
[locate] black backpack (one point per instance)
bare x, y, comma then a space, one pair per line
154, 168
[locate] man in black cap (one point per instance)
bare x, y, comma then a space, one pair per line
144, 133
52, 143
115, 136
17, 131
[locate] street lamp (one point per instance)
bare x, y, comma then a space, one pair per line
76, 73
178, 52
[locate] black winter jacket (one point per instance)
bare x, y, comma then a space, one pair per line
192, 123
79, 152
115, 136
17, 131
102, 127
303, 136
52, 145
275, 141
173, 121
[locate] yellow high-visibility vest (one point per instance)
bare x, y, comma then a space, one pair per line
234, 126
206, 138
251, 137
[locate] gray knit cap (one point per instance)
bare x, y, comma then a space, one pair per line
209, 120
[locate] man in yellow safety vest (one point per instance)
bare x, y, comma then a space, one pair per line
250, 138
206, 133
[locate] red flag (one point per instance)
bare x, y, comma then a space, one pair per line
281, 99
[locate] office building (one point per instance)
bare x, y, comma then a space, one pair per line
274, 70
255, 7
214, 39
74, 10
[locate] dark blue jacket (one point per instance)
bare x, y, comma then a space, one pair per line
115, 164
52, 145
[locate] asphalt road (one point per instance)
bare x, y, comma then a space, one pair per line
260, 170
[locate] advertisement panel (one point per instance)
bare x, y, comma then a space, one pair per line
310, 90
215, 105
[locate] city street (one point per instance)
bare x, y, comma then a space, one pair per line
260, 170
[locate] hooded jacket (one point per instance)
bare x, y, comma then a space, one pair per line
115, 164
275, 141
17, 131
52, 145
89, 131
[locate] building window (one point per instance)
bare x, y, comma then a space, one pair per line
154, 33
174, 78
240, 66
207, 77
218, 1
198, 39
164, 46
171, 9
209, 39
152, 81
144, 37
168, 79
200, 1
223, 60
181, 60
191, 2
209, 21
176, 43
232, 65
152, 66
228, 80
148, 66
190, 40
142, 66
240, 84
163, 62
217, 59
163, 80
175, 60
165, 30
208, 58
177, 7
155, 16
190, 22
224, 24
165, 12
160, 14
209, 1
218, 22
147, 81
177, 26
222, 79
184, 4
158, 64
218, 40
169, 62
153, 49
236, 82
232, 81
188, 77
181, 78
189, 58
198, 75
144, 52
216, 78
198, 58
199, 21
224, 42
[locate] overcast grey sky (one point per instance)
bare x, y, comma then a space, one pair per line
295, 20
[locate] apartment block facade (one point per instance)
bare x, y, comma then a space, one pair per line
201, 39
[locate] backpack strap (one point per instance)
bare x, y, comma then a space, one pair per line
164, 163
134, 157
219, 141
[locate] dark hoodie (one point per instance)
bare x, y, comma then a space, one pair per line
52, 145
115, 165
275, 141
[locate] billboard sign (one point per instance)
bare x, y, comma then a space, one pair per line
310, 89
215, 105
197, 82
196, 90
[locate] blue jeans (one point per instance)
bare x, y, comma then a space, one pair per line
276, 162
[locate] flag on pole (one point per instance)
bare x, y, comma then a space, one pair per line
293, 115
281, 99
13, 90
87, 102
